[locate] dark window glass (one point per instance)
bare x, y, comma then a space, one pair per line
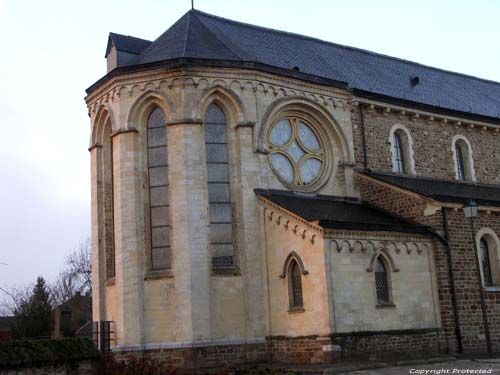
460, 161
296, 285
219, 198
399, 153
485, 261
381, 283
158, 190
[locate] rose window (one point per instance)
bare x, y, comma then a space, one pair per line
296, 152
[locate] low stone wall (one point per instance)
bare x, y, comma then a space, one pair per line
305, 349
203, 356
398, 343
84, 368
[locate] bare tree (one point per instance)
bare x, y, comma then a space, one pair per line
76, 275
13, 298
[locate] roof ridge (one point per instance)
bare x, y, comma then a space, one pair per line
361, 50
129, 36
194, 11
186, 34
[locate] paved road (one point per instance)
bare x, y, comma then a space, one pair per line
479, 366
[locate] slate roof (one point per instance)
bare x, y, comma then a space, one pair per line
339, 213
198, 35
126, 43
443, 190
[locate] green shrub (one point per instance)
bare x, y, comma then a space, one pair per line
26, 353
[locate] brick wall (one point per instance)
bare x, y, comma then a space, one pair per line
431, 145
409, 343
463, 264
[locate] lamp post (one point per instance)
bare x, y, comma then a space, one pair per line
470, 212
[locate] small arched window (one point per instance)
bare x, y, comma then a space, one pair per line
295, 286
485, 262
381, 283
402, 150
158, 190
463, 160
219, 187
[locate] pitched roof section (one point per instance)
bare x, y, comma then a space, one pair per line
338, 213
443, 190
204, 36
126, 43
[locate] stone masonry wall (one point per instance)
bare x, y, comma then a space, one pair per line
463, 260
432, 145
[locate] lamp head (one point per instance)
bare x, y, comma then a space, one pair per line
470, 210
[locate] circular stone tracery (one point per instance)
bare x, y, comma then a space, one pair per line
296, 153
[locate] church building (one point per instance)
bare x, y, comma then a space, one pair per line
259, 195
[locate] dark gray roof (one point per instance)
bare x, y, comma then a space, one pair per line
199, 35
126, 43
339, 213
443, 190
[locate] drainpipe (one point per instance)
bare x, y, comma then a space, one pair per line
458, 332
363, 132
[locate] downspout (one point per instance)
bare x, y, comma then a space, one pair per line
363, 133
268, 289
458, 332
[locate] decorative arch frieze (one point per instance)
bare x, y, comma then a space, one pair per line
293, 256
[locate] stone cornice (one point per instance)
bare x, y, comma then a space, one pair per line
123, 131
185, 121
236, 79
95, 145
414, 114
302, 227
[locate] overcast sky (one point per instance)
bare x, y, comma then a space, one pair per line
51, 51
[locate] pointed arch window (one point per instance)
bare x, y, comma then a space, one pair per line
485, 262
402, 150
382, 283
158, 190
219, 187
295, 286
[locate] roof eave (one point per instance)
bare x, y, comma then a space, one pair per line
427, 107
184, 62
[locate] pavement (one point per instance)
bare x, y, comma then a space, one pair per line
428, 366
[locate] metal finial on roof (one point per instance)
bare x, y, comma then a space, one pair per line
192, 4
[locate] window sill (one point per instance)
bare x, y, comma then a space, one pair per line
295, 310
491, 288
158, 274
226, 271
386, 306
110, 282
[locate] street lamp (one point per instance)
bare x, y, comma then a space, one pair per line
470, 212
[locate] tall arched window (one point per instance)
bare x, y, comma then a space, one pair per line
381, 283
295, 286
219, 188
485, 262
158, 190
399, 157
464, 169
109, 230
402, 150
